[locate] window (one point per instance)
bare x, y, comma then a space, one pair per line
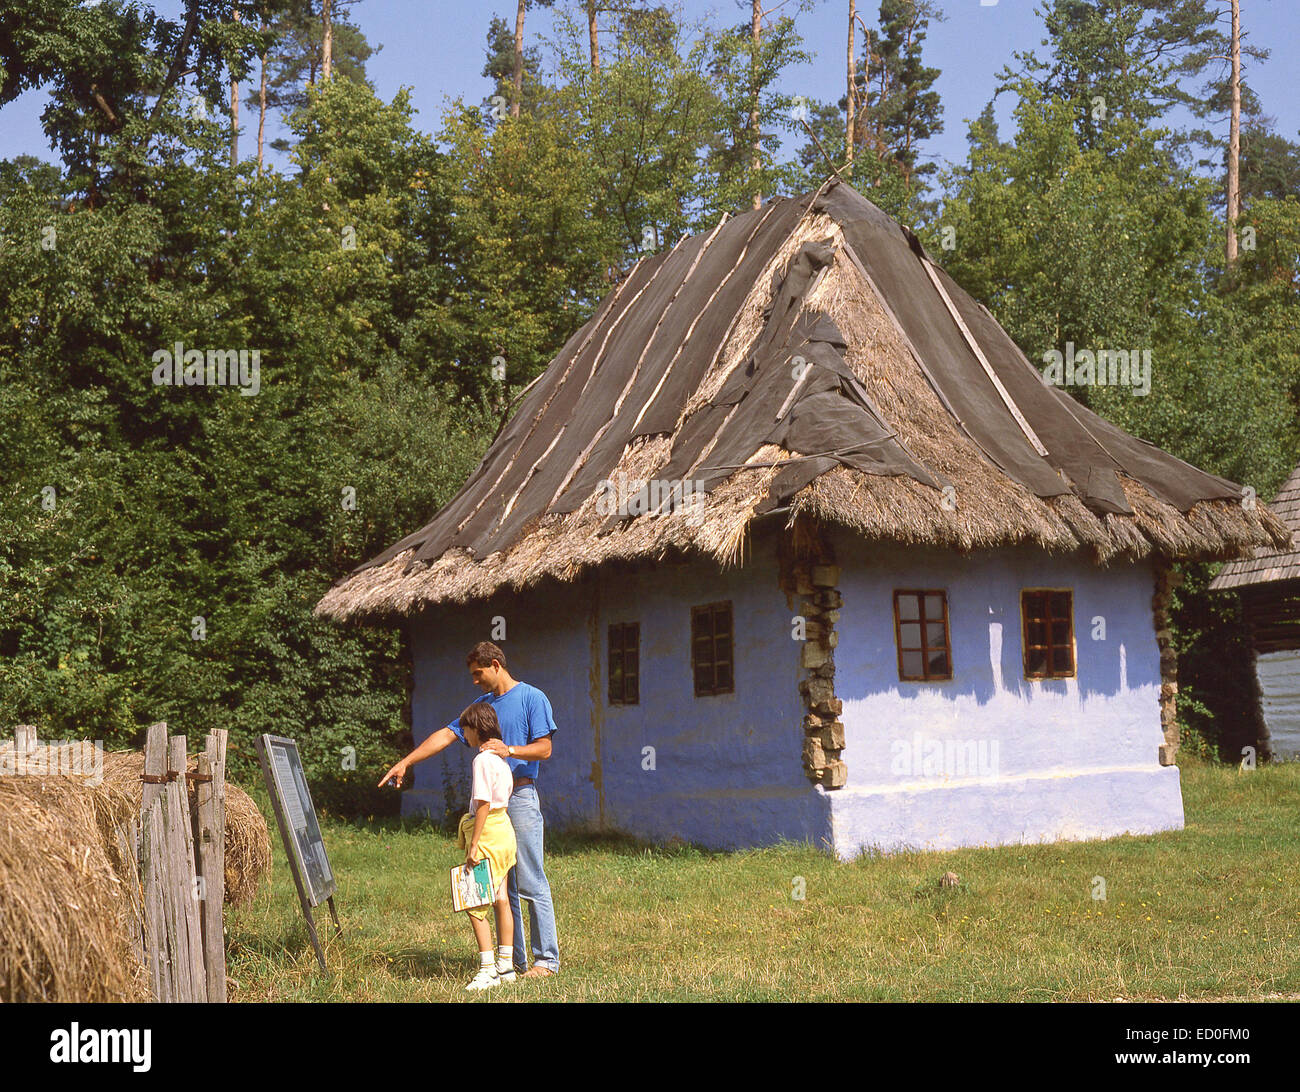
921, 630
1047, 626
711, 649
625, 663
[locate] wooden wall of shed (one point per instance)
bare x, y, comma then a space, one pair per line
1273, 614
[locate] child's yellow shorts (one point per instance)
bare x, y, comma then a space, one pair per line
497, 843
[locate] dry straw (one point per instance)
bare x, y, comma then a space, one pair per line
991, 509
69, 892
66, 921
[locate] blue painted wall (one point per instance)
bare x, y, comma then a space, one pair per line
726, 768
1075, 758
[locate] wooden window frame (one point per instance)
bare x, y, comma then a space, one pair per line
711, 611
1047, 619
926, 648
623, 630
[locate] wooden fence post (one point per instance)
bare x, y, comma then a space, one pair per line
25, 741
152, 844
185, 877
211, 837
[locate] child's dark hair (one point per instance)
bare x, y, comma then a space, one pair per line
483, 719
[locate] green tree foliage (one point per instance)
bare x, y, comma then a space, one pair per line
294, 61
897, 110
114, 73
189, 529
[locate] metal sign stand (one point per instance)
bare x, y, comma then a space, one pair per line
292, 849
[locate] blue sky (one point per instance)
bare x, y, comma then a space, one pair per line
435, 47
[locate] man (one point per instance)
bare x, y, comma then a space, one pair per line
527, 725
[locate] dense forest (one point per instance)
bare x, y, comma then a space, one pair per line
389, 293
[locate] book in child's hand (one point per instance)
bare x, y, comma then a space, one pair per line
472, 887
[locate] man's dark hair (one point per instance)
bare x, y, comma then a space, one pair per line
483, 653
483, 719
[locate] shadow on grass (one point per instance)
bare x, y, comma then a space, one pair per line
564, 843
425, 963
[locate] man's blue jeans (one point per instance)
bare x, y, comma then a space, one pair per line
527, 880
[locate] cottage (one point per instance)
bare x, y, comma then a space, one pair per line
1269, 586
922, 603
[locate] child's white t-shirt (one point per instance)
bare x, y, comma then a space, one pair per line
492, 781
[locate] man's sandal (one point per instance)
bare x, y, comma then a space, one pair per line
539, 972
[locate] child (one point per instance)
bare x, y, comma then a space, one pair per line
486, 831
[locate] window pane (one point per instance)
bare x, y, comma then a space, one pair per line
723, 674
1060, 604
1060, 631
909, 607
934, 607
1036, 661
704, 679
631, 692
631, 661
1036, 633
722, 648
909, 634
912, 664
1034, 604
939, 663
934, 634
1062, 661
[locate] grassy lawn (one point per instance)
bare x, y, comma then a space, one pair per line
1210, 912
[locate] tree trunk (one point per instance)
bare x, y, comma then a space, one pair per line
518, 80
755, 36
261, 113
234, 123
591, 33
327, 40
853, 80
234, 116
1234, 138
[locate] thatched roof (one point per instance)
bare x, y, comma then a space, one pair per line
1269, 564
803, 358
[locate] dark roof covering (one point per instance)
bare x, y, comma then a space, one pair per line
1269, 565
632, 368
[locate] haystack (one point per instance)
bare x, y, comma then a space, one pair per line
69, 889
66, 913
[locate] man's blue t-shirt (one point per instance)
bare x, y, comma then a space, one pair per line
524, 713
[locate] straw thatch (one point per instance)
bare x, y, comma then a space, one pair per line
464, 555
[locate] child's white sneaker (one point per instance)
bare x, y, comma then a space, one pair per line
486, 978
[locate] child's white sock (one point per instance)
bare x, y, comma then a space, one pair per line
505, 959
485, 958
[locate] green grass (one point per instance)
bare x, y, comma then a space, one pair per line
1212, 911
